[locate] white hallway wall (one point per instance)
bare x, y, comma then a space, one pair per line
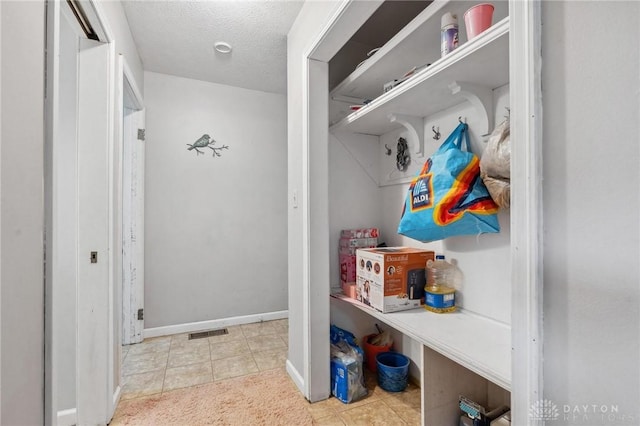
215, 228
591, 202
21, 212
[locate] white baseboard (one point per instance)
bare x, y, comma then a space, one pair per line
67, 417
116, 395
296, 377
116, 400
213, 324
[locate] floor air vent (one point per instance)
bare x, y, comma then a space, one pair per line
203, 334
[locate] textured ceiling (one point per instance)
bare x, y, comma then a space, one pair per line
177, 38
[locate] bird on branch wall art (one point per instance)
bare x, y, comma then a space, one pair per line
205, 141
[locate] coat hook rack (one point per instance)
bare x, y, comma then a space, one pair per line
436, 132
481, 98
506, 117
460, 119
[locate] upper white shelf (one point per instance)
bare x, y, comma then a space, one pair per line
477, 343
418, 43
483, 62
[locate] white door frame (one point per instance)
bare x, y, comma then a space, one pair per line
95, 365
526, 205
0, 220
130, 243
525, 89
345, 21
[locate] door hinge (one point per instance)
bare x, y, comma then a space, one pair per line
140, 314
141, 134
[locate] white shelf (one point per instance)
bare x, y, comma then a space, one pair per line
415, 45
477, 343
483, 62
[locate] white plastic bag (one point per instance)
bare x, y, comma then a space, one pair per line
495, 165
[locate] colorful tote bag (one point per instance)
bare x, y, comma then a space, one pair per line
448, 197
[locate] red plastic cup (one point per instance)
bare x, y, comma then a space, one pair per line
478, 19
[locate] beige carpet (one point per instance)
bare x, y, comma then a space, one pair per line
267, 398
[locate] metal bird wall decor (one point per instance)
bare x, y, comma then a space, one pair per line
205, 141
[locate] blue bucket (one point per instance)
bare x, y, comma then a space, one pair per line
393, 371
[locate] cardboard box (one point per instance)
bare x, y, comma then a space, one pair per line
391, 279
359, 233
358, 242
347, 268
350, 241
348, 273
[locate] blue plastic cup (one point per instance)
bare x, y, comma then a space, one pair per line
393, 371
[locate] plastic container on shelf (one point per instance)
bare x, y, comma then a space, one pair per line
478, 19
439, 291
438, 272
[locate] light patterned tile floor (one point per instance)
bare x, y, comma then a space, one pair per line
379, 407
166, 363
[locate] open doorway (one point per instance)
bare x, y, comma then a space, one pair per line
132, 198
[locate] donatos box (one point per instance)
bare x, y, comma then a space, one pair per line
391, 279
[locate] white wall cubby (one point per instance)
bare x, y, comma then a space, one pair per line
483, 62
415, 45
464, 352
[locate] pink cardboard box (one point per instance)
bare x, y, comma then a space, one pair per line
359, 233
358, 242
350, 241
347, 268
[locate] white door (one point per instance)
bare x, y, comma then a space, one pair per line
132, 211
93, 293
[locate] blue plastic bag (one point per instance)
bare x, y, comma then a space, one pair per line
347, 379
447, 197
